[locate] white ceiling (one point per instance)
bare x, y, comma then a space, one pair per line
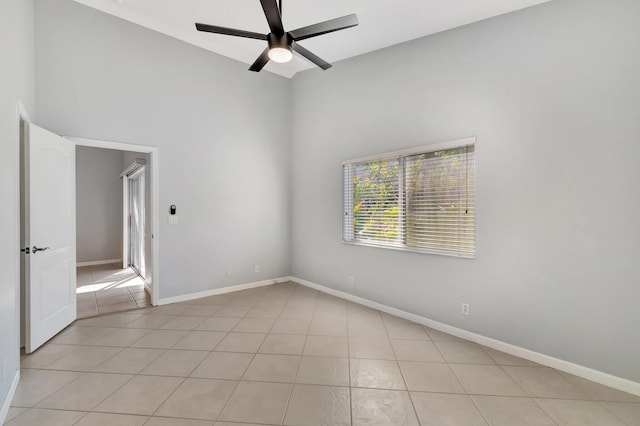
382, 23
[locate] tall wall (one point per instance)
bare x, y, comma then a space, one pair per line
222, 144
98, 204
16, 84
553, 95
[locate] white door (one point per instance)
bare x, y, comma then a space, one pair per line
49, 235
136, 221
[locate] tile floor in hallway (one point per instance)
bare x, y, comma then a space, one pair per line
286, 354
104, 289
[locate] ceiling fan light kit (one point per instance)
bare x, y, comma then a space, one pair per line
280, 43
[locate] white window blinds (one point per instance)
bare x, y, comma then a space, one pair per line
419, 200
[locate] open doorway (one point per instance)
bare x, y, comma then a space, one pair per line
116, 268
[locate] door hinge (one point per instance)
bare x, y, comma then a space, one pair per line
25, 250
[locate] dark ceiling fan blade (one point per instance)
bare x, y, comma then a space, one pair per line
229, 31
325, 27
261, 61
272, 12
310, 56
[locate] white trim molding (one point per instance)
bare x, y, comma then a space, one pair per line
99, 262
223, 290
7, 402
605, 379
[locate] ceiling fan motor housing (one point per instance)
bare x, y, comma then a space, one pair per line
275, 40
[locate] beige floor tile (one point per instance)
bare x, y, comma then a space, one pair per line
241, 342
371, 348
366, 329
112, 320
318, 405
120, 338
255, 402
84, 393
323, 371
216, 323
105, 419
326, 346
77, 335
198, 399
283, 344
235, 424
177, 363
578, 413
46, 355
141, 395
435, 409
627, 412
416, 350
265, 311
166, 421
502, 358
36, 416
401, 329
374, 373
129, 361
439, 336
200, 340
378, 407
291, 326
507, 411
171, 310
203, 310
115, 300
430, 377
600, 392
152, 322
160, 339
183, 323
543, 382
328, 327
36, 385
272, 368
85, 358
463, 353
254, 325
232, 311
14, 412
298, 313
223, 365
486, 380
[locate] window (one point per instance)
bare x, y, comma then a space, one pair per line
418, 200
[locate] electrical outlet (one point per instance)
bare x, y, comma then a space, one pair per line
256, 268
350, 280
228, 273
465, 309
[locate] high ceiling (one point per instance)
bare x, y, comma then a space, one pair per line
382, 23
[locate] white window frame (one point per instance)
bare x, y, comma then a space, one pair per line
347, 195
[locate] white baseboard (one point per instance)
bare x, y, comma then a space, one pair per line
223, 290
99, 262
549, 361
7, 402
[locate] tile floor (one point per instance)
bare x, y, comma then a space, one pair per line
104, 289
285, 354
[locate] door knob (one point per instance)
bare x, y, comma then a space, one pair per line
37, 249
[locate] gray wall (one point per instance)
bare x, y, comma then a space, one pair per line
98, 204
16, 83
553, 95
223, 146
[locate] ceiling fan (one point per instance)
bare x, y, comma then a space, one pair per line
281, 43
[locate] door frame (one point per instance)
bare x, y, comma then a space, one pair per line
154, 194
